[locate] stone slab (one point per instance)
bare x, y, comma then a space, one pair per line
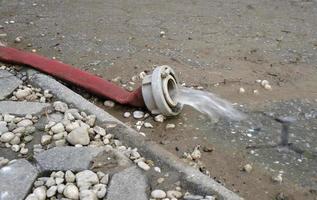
68, 158
8, 83
22, 108
128, 184
16, 180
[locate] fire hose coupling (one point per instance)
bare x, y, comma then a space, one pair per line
159, 91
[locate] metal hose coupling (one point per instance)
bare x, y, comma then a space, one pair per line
159, 91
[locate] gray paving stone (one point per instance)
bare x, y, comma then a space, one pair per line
67, 158
16, 180
8, 83
22, 108
128, 184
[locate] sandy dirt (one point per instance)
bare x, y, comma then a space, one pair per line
219, 45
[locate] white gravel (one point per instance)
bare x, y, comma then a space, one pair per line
138, 114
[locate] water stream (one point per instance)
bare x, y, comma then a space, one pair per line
208, 103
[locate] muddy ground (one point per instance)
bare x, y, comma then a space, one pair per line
220, 45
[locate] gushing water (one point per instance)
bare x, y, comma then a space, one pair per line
208, 103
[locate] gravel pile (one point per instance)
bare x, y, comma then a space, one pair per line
15, 132
30, 93
76, 129
69, 185
79, 129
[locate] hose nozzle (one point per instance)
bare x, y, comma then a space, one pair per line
159, 91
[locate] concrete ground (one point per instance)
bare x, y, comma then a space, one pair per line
220, 45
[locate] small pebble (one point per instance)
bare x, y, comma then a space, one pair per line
159, 118
18, 39
162, 33
100, 190
144, 166
158, 194
24, 151
59, 181
138, 114
38, 183
268, 87
160, 180
109, 104
58, 128
208, 149
148, 125
60, 188
278, 178
247, 168
105, 179
25, 123
51, 191
15, 148
46, 139
70, 176
196, 154
99, 130
264, 82
126, 114
241, 90
142, 75
3, 161
40, 192
50, 182
7, 137
170, 126
32, 197
174, 194
60, 106
71, 191
157, 169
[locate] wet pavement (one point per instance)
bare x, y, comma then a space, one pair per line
260, 138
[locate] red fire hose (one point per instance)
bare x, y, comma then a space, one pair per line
70, 74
